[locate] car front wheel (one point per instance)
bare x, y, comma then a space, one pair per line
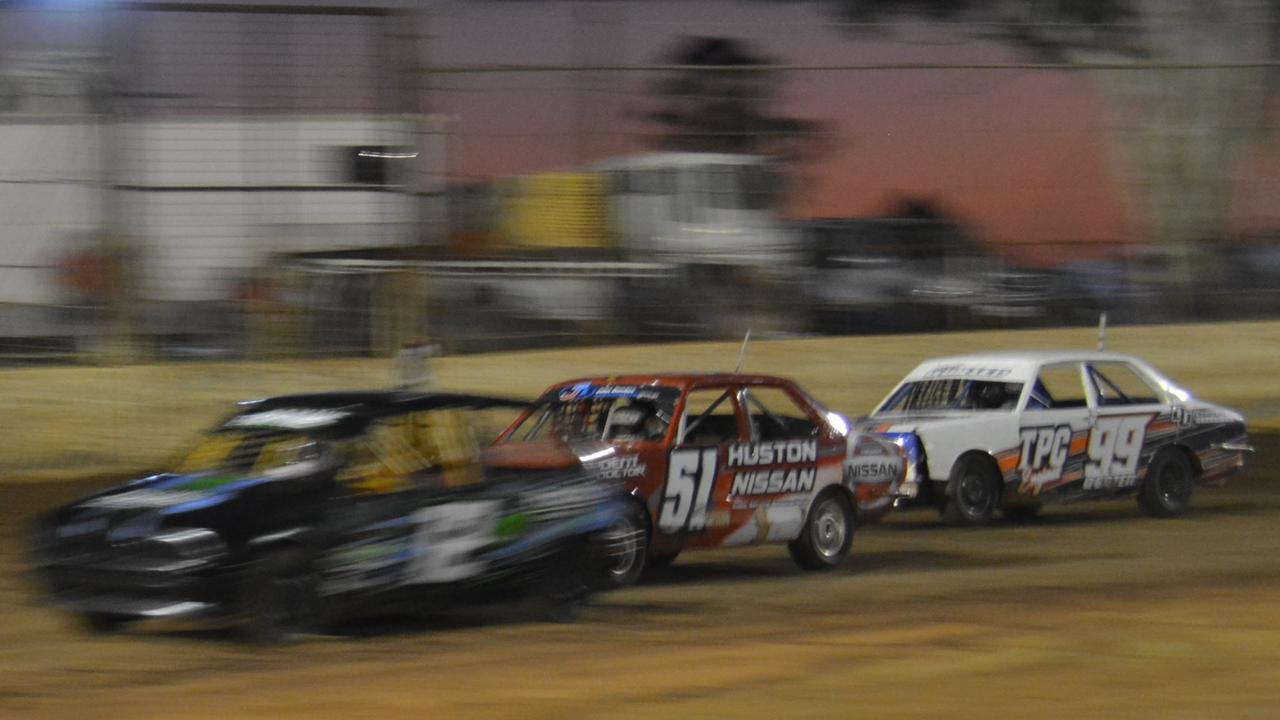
1166, 490
973, 491
827, 537
627, 546
278, 596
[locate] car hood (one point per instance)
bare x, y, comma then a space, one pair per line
137, 508
913, 422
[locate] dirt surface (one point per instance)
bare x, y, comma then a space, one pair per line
1091, 611
62, 422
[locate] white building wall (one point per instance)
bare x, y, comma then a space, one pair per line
203, 202
50, 202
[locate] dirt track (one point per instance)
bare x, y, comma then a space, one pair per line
1093, 611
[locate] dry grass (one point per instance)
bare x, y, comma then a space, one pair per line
75, 421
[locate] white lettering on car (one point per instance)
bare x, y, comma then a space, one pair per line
773, 482
775, 452
1115, 445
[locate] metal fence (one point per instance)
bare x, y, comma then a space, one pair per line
247, 180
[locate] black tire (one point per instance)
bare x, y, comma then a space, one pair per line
567, 583
627, 546
104, 623
973, 492
827, 537
1166, 490
278, 596
1021, 513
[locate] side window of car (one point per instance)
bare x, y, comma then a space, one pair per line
382, 458
435, 448
710, 418
449, 440
1118, 383
633, 420
1058, 386
775, 415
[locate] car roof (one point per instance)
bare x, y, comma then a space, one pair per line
369, 404
680, 379
1008, 365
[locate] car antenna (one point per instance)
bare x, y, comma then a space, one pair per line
742, 354
1102, 331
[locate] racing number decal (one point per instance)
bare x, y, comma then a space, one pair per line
1111, 455
691, 474
444, 538
1114, 448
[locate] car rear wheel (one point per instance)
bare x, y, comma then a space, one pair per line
278, 596
627, 546
827, 537
973, 491
1166, 490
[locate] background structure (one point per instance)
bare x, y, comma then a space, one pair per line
240, 180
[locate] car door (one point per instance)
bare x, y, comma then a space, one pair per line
789, 460
691, 504
399, 515
1127, 431
1053, 430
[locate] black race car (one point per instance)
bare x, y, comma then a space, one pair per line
297, 510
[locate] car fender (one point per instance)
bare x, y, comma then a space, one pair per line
944, 441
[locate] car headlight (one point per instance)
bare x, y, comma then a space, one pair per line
912, 452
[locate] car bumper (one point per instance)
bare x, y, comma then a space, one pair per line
134, 592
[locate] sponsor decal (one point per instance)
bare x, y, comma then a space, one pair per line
980, 372
622, 467
363, 564
773, 482
1209, 416
1110, 453
773, 453
1185, 417
1044, 455
871, 471
587, 390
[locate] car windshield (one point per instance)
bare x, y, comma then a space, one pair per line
599, 413
953, 394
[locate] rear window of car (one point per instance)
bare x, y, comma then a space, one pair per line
953, 394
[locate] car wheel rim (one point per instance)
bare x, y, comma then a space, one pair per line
1172, 483
829, 530
974, 493
624, 537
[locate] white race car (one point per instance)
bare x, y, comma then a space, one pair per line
1012, 430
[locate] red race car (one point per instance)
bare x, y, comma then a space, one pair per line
717, 460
